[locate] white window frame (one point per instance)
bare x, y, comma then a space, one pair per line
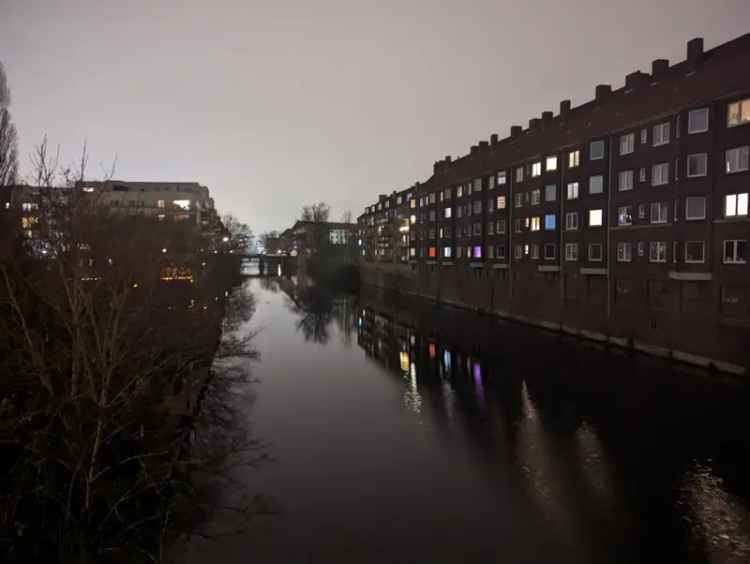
627, 143
737, 159
689, 217
600, 180
660, 134
658, 176
536, 223
703, 252
661, 251
554, 251
550, 163
624, 251
571, 252
536, 197
574, 158
597, 156
691, 127
592, 214
662, 215
620, 210
735, 258
601, 252
625, 186
736, 205
575, 189
571, 221
704, 156
741, 105
536, 169
547, 193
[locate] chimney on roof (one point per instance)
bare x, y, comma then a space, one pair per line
533, 123
474, 149
436, 166
448, 158
493, 139
515, 130
483, 145
695, 50
546, 118
564, 107
603, 91
635, 79
659, 67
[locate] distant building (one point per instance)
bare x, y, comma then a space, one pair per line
312, 237
625, 218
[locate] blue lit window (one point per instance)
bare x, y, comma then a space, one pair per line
550, 222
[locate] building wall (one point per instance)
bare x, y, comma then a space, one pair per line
548, 225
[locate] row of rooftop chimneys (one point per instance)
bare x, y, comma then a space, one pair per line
635, 79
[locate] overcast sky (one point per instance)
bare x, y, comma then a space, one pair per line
276, 104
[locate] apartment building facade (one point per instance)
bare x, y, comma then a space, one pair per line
624, 219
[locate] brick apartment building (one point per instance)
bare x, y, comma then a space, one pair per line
624, 219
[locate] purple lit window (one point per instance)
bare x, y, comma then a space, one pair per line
477, 251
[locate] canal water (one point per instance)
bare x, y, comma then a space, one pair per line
397, 431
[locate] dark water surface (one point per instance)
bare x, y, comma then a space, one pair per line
400, 432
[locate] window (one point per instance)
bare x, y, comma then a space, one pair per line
448, 213
433, 198
477, 206
502, 178
660, 134
659, 211
459, 190
695, 251
625, 180
477, 251
447, 193
432, 252
735, 204
641, 211
660, 174
490, 205
625, 215
738, 159
519, 199
642, 174
500, 251
574, 159
734, 251
518, 251
517, 225
595, 218
500, 227
550, 193
697, 165
534, 251
447, 252
477, 229
477, 185
572, 190
596, 184
413, 219
536, 169
413, 203
738, 113
698, 120
596, 150
549, 251
657, 251
695, 207
491, 228
160, 203
624, 251
595, 252
536, 223
490, 182
550, 222
571, 251
536, 197
432, 215
627, 144
571, 221
519, 174
644, 136
551, 163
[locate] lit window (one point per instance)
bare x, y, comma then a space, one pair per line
551, 163
432, 252
624, 251
738, 113
595, 252
695, 251
550, 193
536, 169
572, 190
698, 120
738, 159
574, 159
502, 178
413, 203
596, 184
735, 251
657, 251
625, 215
88, 189
550, 222
659, 211
596, 150
697, 165
447, 252
571, 251
501, 202
448, 213
595, 218
644, 136
627, 144
182, 204
160, 203
660, 174
695, 207
625, 180
477, 251
660, 134
413, 219
536, 223
571, 221
735, 204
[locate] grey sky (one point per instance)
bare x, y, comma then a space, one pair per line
273, 105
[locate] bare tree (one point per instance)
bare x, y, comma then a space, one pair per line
316, 213
46, 167
8, 136
346, 217
240, 235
